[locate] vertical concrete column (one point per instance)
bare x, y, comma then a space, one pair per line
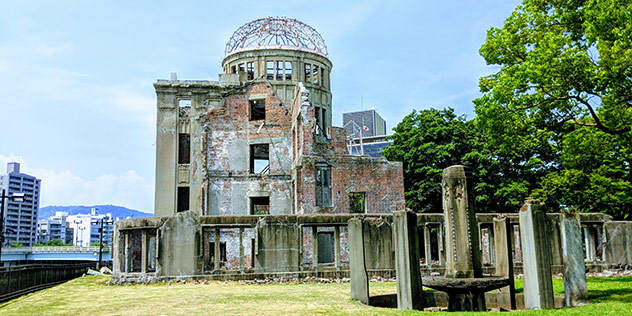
337, 247
143, 256
441, 242
166, 152
315, 247
504, 261
427, 245
241, 249
463, 251
216, 251
406, 245
357, 264
127, 254
538, 286
591, 249
575, 290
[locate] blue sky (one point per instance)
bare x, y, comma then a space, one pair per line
77, 105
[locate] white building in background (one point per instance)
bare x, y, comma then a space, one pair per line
55, 227
85, 232
20, 218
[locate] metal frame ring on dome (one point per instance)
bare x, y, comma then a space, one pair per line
279, 32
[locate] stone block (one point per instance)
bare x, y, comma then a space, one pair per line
575, 290
405, 238
357, 266
179, 245
538, 284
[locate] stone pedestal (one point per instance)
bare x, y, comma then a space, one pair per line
463, 253
538, 285
406, 245
575, 290
357, 265
504, 260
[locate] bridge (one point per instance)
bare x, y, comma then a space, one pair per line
54, 253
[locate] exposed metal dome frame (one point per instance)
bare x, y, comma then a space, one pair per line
279, 32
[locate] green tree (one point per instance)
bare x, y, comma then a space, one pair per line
55, 242
562, 99
16, 244
426, 143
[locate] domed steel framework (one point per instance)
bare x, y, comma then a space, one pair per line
279, 32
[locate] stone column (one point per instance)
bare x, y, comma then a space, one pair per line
357, 265
504, 261
217, 251
463, 252
538, 286
406, 245
441, 245
427, 245
337, 247
315, 247
575, 290
241, 249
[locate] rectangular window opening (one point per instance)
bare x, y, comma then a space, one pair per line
184, 148
222, 254
279, 70
184, 103
233, 69
270, 70
325, 247
323, 186
357, 202
257, 110
241, 67
260, 159
308, 73
260, 205
288, 70
183, 199
251, 70
151, 252
316, 74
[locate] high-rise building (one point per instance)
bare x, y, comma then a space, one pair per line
366, 133
20, 218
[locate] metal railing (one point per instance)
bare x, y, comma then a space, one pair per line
52, 249
19, 280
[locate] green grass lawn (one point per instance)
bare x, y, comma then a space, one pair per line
90, 296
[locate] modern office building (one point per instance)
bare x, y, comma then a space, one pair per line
86, 228
20, 218
366, 133
55, 227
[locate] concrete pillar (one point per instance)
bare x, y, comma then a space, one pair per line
216, 251
143, 260
427, 245
575, 290
504, 261
241, 249
406, 245
440, 241
357, 265
337, 247
538, 286
463, 252
315, 247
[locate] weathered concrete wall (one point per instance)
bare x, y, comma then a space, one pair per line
179, 245
618, 244
278, 245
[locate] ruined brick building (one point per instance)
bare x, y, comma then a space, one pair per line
260, 140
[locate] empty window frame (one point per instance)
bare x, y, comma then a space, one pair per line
233, 69
308, 73
250, 67
279, 70
270, 70
222, 254
183, 199
184, 103
257, 110
288, 70
316, 75
323, 186
259, 159
242, 67
151, 251
184, 148
260, 205
357, 202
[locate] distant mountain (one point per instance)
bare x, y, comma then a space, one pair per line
116, 211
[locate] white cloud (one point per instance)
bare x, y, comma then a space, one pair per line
65, 188
49, 50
